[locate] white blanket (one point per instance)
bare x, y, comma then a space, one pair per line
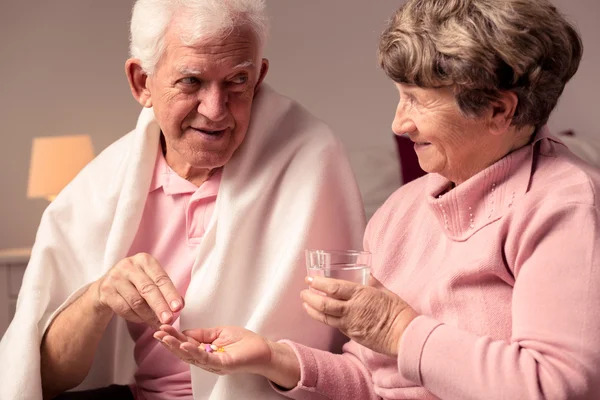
287, 188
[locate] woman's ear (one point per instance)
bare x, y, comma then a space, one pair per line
503, 112
138, 82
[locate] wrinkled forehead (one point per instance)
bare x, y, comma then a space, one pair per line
240, 39
235, 50
210, 34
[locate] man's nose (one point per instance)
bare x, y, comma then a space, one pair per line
213, 103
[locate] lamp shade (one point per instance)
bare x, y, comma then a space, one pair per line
54, 163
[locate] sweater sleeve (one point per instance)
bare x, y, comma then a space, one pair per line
554, 351
324, 375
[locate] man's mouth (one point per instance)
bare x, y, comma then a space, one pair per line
211, 132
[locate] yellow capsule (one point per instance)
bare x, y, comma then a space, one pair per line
221, 350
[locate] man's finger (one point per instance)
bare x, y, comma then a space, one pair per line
163, 282
136, 303
150, 291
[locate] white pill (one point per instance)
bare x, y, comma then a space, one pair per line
215, 348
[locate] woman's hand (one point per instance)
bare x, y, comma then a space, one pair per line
370, 315
242, 351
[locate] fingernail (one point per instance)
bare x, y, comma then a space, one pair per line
310, 279
174, 305
165, 317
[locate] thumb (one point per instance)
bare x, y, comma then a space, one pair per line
375, 283
203, 335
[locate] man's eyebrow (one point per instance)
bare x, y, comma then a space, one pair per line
189, 71
245, 64
183, 70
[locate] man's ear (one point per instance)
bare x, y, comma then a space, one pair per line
264, 68
138, 82
503, 112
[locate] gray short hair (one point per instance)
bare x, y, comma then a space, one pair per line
201, 19
484, 47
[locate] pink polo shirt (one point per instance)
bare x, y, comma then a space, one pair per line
176, 215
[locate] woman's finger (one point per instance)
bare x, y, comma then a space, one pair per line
203, 335
375, 283
323, 304
334, 322
173, 332
192, 341
174, 346
338, 289
180, 336
201, 356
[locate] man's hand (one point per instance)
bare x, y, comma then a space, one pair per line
139, 290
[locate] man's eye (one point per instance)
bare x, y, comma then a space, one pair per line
239, 80
189, 81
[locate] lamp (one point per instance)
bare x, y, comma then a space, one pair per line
54, 163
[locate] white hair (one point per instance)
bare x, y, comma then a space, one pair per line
201, 19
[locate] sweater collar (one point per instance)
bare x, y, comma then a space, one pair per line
487, 196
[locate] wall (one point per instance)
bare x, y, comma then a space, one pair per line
62, 73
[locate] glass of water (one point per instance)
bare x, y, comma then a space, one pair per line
348, 265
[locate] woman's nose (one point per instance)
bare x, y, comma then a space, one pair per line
402, 124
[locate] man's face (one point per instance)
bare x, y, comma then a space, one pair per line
202, 97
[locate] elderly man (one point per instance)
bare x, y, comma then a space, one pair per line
198, 217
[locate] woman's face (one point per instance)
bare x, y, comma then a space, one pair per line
446, 142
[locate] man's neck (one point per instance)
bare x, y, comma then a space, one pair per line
197, 176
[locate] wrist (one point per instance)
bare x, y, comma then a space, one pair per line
402, 322
283, 368
92, 295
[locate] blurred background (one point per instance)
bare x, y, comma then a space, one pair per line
62, 73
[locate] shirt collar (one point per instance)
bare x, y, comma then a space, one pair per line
172, 184
487, 196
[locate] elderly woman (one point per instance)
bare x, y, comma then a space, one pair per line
488, 268
190, 208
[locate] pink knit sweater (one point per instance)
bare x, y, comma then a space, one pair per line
505, 272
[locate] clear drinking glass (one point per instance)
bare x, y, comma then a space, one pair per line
348, 265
